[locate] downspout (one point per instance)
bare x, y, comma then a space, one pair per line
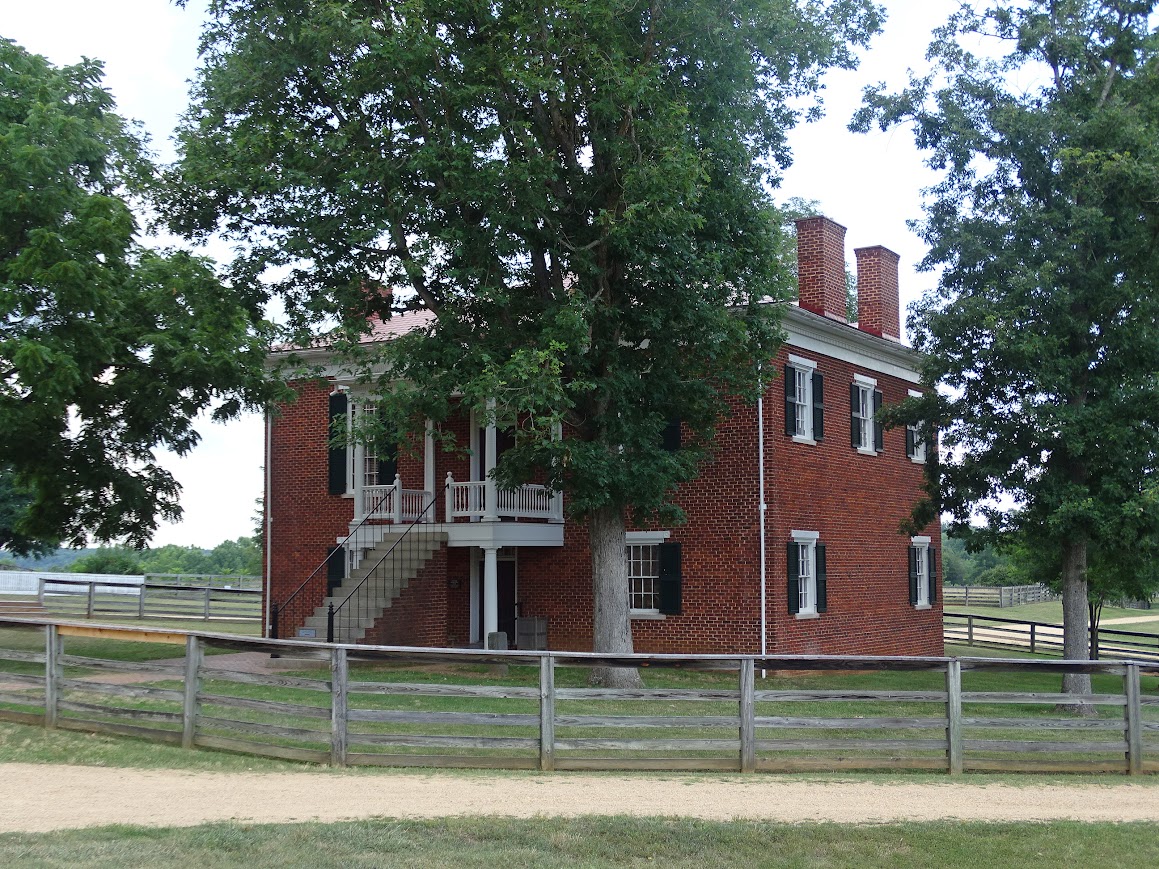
763, 507
266, 506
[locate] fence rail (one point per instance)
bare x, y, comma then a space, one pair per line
926, 713
998, 596
90, 598
1044, 638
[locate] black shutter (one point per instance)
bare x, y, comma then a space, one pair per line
336, 425
911, 445
818, 406
933, 575
790, 403
670, 436
388, 466
794, 578
878, 425
335, 569
913, 575
822, 591
670, 578
855, 416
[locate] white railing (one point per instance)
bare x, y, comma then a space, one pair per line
530, 501
394, 502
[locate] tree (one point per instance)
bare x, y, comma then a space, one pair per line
14, 504
1043, 335
576, 189
107, 350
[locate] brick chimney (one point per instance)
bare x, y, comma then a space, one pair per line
821, 266
877, 303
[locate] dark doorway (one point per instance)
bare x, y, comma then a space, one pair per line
505, 585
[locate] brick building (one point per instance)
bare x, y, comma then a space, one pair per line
821, 568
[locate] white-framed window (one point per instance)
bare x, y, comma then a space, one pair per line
866, 434
804, 401
644, 577
915, 443
806, 574
922, 573
642, 553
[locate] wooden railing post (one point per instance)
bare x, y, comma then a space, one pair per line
547, 713
207, 590
748, 716
141, 600
969, 630
1032, 627
338, 706
40, 590
1134, 719
954, 716
53, 674
193, 654
91, 600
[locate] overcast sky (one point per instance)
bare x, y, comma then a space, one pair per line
869, 183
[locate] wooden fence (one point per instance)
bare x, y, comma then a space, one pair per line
1043, 638
343, 707
90, 597
993, 595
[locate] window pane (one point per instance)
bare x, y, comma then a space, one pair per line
643, 576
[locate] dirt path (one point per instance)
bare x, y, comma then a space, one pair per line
35, 798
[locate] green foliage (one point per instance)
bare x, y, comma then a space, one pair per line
14, 504
107, 350
578, 190
1043, 335
230, 558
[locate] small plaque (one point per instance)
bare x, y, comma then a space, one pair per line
308, 633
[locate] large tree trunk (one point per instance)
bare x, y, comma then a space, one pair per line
1075, 639
611, 620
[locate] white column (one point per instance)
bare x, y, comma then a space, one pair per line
429, 467
490, 495
490, 592
358, 472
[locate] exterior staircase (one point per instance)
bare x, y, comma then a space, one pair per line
389, 575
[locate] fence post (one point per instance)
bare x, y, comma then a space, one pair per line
748, 722
547, 713
207, 590
141, 600
40, 590
969, 630
192, 690
53, 674
90, 605
954, 716
1134, 719
1032, 627
338, 707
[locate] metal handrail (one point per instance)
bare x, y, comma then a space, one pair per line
275, 608
332, 610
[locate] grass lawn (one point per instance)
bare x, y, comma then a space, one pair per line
591, 842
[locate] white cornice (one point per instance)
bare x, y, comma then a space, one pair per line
805, 330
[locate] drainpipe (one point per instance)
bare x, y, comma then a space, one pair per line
763, 507
267, 509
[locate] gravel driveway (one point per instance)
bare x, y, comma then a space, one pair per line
37, 798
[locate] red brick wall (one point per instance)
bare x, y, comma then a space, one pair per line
856, 503
306, 519
417, 617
